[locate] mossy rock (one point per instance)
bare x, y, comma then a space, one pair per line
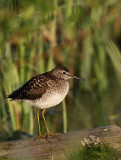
95, 152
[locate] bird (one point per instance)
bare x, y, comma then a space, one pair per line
44, 91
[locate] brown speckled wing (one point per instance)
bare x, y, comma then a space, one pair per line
31, 90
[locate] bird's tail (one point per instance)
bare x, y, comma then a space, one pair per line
14, 95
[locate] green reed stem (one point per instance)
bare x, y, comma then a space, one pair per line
8, 73
64, 117
3, 112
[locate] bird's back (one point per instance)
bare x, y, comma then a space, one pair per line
31, 90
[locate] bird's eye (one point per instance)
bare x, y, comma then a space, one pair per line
64, 72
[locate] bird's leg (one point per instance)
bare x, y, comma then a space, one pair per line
48, 134
43, 116
38, 121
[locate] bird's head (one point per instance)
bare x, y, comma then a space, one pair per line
63, 73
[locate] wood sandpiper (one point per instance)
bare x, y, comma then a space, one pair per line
44, 91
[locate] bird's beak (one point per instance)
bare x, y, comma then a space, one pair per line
77, 78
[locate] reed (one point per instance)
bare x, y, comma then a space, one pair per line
84, 36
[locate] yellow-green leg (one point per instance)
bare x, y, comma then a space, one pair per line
48, 134
38, 121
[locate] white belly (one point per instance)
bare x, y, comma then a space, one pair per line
52, 100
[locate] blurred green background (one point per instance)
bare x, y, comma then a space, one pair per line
83, 35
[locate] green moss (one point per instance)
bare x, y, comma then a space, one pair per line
96, 152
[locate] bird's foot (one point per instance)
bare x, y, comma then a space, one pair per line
43, 137
46, 135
